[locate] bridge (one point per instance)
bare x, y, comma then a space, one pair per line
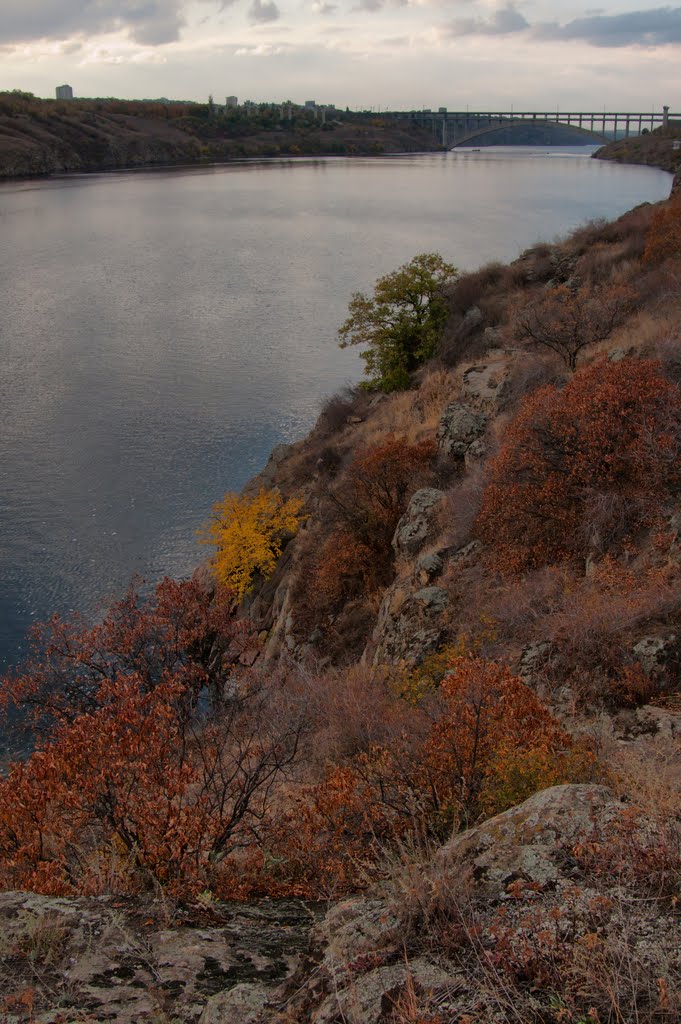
464, 128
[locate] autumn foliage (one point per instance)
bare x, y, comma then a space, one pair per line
377, 485
151, 782
664, 235
583, 468
481, 744
248, 534
142, 757
366, 504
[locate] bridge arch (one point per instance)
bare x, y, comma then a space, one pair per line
581, 135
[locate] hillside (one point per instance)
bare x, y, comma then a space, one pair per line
431, 680
52, 137
655, 149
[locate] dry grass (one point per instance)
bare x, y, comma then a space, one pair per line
413, 414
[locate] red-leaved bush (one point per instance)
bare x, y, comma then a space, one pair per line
582, 468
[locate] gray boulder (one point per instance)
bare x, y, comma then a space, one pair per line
428, 567
659, 656
459, 427
243, 1004
533, 658
417, 523
528, 842
410, 624
485, 386
130, 960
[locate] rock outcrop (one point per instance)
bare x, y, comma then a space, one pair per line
416, 524
122, 960
460, 426
529, 842
409, 624
491, 888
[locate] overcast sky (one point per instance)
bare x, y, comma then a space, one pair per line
399, 54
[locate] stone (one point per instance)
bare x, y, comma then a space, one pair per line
417, 523
530, 841
649, 722
459, 427
428, 567
476, 453
125, 960
357, 926
467, 553
485, 386
372, 996
533, 658
659, 656
409, 625
243, 1004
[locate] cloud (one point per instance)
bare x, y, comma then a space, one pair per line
262, 11
147, 21
119, 55
658, 27
263, 50
502, 22
318, 7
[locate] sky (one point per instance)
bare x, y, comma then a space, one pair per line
365, 54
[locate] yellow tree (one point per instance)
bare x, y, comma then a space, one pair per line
248, 535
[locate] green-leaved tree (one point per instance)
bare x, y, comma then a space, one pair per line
402, 322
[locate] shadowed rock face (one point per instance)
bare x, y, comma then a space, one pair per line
126, 961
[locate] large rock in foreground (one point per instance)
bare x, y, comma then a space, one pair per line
461, 942
530, 842
128, 961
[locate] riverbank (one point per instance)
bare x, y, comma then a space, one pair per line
43, 137
660, 148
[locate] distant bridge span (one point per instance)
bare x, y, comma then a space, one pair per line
582, 135
457, 128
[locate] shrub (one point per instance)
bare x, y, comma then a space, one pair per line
141, 776
491, 745
248, 535
569, 320
173, 631
664, 236
614, 430
132, 764
375, 489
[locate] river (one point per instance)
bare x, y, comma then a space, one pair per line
161, 331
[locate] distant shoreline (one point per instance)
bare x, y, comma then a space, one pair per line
657, 149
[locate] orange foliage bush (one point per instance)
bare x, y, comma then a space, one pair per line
490, 744
345, 567
173, 632
493, 745
366, 504
376, 487
132, 761
664, 236
583, 467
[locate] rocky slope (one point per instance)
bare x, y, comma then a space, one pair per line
656, 149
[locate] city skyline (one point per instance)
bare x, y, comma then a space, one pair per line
395, 54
